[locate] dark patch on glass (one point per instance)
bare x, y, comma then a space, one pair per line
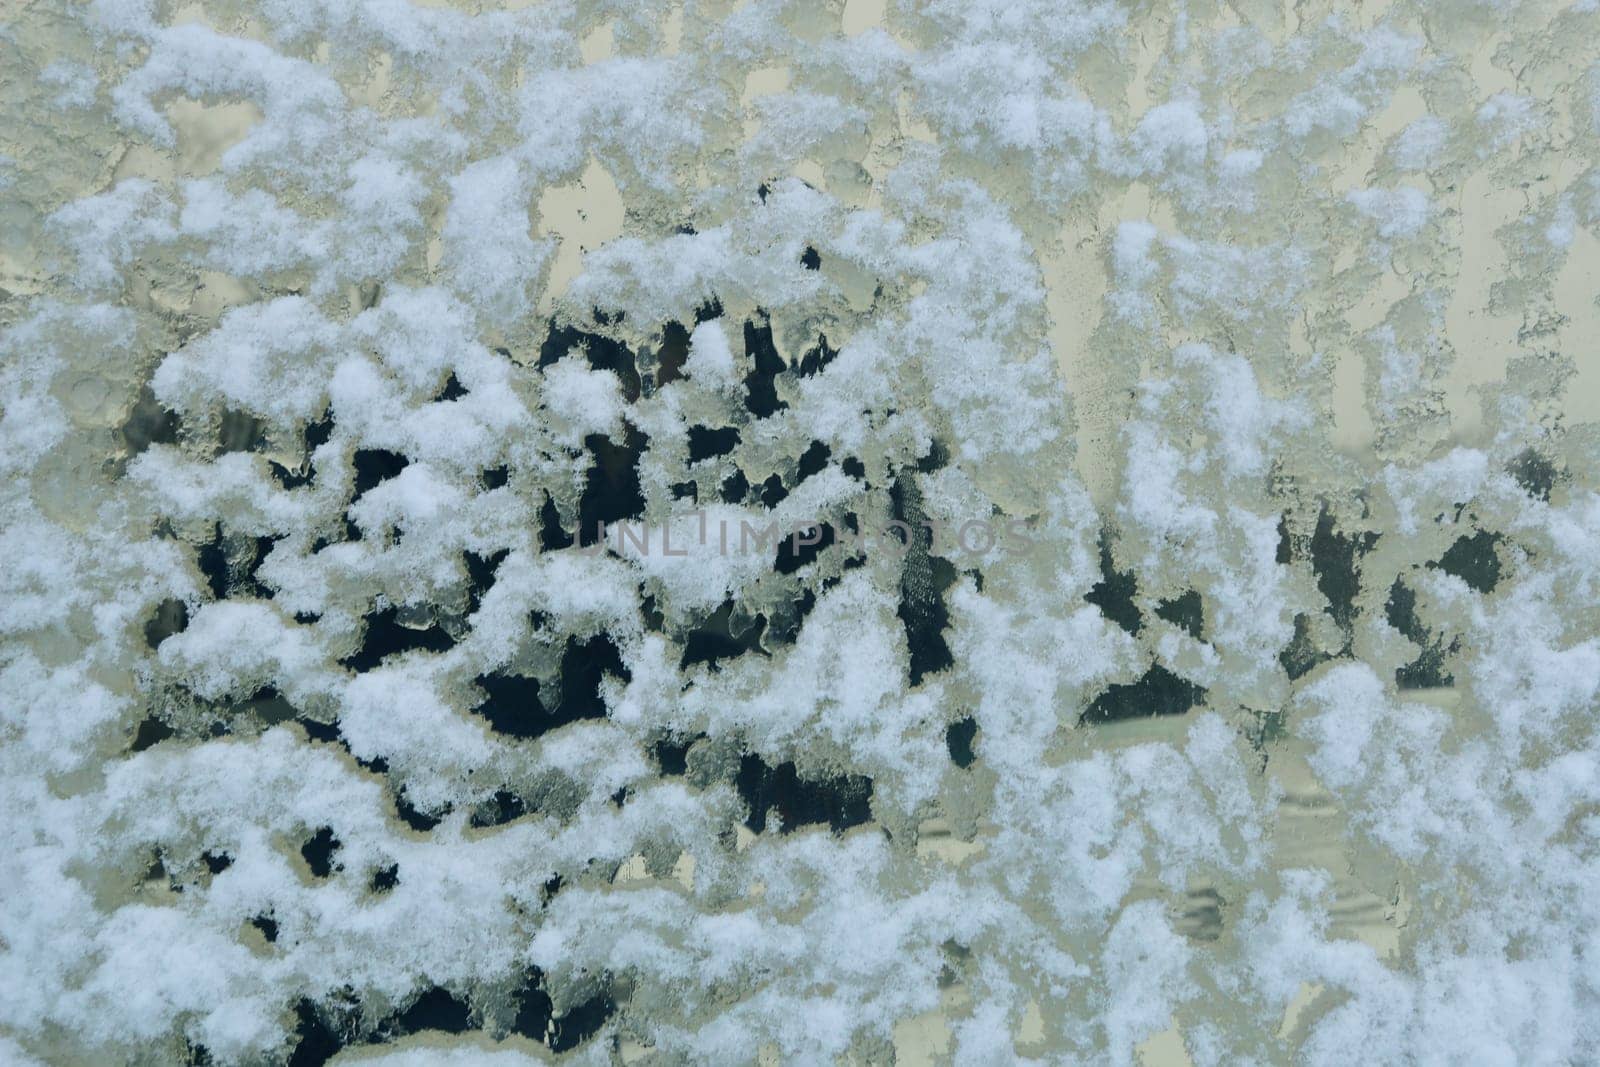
318, 431
671, 754
149, 424
673, 353
787, 618
923, 581
498, 810
385, 636
290, 479
761, 384
377, 765
1334, 560
611, 488
537, 1021
271, 706
816, 357
480, 575
1536, 474
1474, 560
373, 467
1301, 653
157, 871
795, 552
735, 488
151, 731
213, 563
453, 390
1401, 612
812, 461
324, 732
317, 1041
580, 1023
385, 878
513, 704
536, 1018
706, 442
434, 1009
1427, 671
1186, 612
723, 635
1158, 692
841, 801
412, 816
170, 617
583, 667
958, 739
1113, 594
602, 352
772, 491
654, 620
552, 535
533, 1008
240, 432
938, 458
318, 852
268, 927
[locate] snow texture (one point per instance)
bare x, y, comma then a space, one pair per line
807, 532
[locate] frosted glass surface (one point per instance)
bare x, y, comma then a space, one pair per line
967, 531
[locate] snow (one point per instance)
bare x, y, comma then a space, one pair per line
1262, 341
